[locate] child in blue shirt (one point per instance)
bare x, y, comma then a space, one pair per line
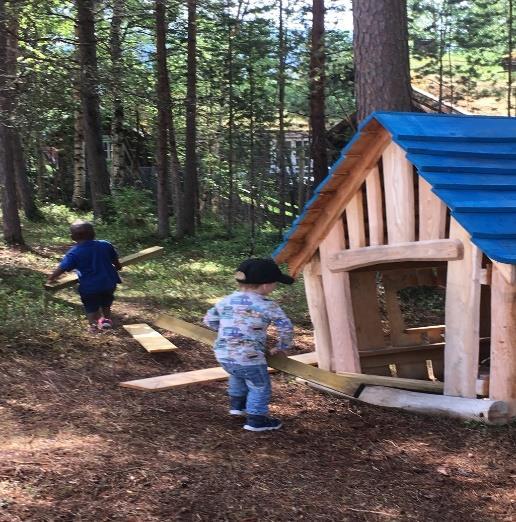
242, 319
96, 263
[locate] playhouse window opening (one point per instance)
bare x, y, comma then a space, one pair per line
422, 305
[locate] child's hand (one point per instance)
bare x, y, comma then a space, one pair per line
277, 351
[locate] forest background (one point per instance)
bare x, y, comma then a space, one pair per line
202, 108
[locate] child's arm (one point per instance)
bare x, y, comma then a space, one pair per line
212, 319
115, 261
55, 274
285, 330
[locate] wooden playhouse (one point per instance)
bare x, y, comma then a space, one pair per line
417, 200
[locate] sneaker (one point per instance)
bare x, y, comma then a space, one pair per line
237, 406
93, 328
262, 423
105, 324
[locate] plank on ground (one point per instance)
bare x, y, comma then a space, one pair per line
151, 340
206, 375
71, 279
192, 331
348, 382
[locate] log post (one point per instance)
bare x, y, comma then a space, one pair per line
337, 296
398, 178
502, 384
318, 314
462, 312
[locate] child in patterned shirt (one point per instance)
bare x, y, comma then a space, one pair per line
242, 319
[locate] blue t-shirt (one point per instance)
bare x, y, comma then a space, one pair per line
93, 262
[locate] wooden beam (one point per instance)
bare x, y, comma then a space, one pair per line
71, 279
432, 250
192, 331
206, 375
151, 340
374, 207
503, 340
334, 208
318, 314
395, 382
398, 182
355, 221
336, 288
432, 213
341, 381
462, 312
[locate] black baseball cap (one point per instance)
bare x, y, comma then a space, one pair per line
260, 271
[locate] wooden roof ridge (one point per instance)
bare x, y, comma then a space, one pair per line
469, 160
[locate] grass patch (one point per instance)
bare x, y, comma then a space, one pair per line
185, 281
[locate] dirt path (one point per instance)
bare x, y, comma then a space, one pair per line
76, 447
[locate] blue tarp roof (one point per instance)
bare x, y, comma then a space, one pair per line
470, 161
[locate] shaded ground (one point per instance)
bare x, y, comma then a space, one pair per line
74, 446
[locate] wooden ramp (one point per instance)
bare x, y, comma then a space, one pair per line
151, 340
174, 380
71, 279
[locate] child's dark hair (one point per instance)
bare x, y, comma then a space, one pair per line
82, 231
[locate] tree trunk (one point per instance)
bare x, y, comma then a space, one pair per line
510, 22
162, 92
96, 160
380, 43
24, 188
79, 198
231, 145
190, 182
11, 220
317, 98
280, 149
117, 124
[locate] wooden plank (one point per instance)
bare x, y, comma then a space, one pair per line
338, 203
70, 279
336, 288
431, 250
503, 340
432, 213
341, 381
151, 340
206, 375
317, 310
355, 221
192, 331
431, 334
316, 375
398, 178
462, 312
366, 312
374, 207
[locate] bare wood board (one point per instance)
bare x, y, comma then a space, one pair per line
192, 331
206, 375
151, 340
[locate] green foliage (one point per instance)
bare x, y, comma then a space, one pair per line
132, 208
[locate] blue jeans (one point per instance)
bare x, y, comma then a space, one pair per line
251, 381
